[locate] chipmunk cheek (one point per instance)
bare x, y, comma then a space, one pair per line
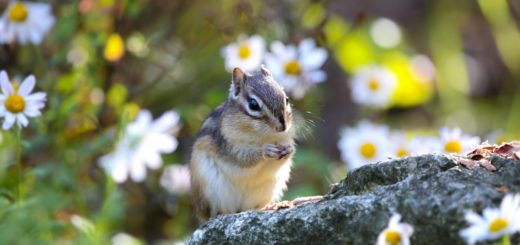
270, 126
260, 126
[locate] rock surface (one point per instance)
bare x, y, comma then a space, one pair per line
431, 192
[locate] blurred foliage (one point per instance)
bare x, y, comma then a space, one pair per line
163, 55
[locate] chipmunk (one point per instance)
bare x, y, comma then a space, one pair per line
242, 156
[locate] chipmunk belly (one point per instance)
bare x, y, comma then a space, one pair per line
261, 184
232, 188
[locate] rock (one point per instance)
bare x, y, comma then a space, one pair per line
431, 192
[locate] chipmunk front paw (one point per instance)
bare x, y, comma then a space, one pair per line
278, 151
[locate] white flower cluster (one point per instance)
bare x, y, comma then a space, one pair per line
374, 85
17, 103
369, 143
25, 22
141, 146
493, 224
296, 68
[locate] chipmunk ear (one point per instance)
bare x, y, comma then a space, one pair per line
264, 71
237, 82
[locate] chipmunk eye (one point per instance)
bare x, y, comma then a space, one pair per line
253, 104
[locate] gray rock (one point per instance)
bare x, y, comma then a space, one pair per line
431, 192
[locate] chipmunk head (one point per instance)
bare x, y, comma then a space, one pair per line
260, 98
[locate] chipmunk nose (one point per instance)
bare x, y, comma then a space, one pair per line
283, 126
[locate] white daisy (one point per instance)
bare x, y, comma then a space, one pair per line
297, 68
366, 143
399, 144
373, 86
25, 22
494, 222
17, 103
176, 179
420, 145
246, 53
454, 141
395, 233
141, 145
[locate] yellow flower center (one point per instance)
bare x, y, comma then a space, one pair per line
498, 224
15, 103
18, 12
373, 85
292, 68
402, 152
244, 51
367, 150
453, 146
392, 237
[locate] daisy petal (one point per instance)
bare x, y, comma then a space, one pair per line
490, 213
317, 76
35, 37
278, 48
22, 120
473, 218
137, 171
9, 121
164, 143
394, 220
154, 160
3, 77
27, 86
315, 59
274, 65
167, 122
306, 46
141, 122
119, 173
32, 111
36, 96
257, 42
7, 87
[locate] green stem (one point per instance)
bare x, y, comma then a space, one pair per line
19, 163
505, 240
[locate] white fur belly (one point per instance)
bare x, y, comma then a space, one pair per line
231, 188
